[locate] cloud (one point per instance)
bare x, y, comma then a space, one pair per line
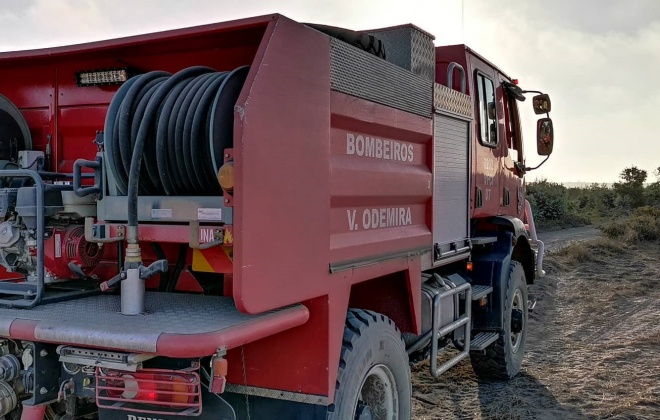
604, 100
598, 59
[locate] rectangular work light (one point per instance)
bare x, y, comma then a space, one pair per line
101, 77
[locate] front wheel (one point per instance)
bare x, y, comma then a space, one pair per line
503, 359
374, 376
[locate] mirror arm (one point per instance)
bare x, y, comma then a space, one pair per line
527, 169
520, 167
532, 91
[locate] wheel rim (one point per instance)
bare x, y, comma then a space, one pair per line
379, 394
517, 305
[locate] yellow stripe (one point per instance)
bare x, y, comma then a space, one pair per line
200, 263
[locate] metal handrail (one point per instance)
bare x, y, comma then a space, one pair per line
462, 321
450, 75
30, 298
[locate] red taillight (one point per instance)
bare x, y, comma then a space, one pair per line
155, 391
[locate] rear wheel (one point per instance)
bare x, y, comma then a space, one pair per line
503, 359
374, 377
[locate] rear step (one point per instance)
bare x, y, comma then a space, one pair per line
483, 240
479, 291
483, 340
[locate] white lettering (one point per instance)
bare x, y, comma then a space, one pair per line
391, 217
397, 151
374, 147
369, 147
383, 217
359, 145
350, 145
366, 219
351, 219
206, 235
132, 417
374, 218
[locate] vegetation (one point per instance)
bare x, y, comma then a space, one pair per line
642, 225
630, 208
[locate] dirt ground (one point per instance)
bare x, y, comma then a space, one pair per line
593, 349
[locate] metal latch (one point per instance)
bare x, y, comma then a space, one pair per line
100, 233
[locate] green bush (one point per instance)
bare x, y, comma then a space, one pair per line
549, 200
642, 225
631, 188
652, 194
552, 207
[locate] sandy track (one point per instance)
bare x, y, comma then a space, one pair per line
593, 349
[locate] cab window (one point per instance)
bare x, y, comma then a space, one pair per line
514, 142
487, 111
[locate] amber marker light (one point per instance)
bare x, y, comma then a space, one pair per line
469, 266
226, 176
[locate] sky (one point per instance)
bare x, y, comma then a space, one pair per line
597, 59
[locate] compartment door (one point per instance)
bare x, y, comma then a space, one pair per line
451, 176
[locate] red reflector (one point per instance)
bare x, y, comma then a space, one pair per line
515, 81
153, 391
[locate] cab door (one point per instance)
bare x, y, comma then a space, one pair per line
512, 162
487, 150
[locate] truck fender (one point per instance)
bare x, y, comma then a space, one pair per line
522, 249
491, 268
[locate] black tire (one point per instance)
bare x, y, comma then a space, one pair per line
503, 359
372, 348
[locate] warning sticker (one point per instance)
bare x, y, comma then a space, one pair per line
161, 213
58, 245
209, 214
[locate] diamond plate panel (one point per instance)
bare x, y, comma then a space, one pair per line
422, 55
452, 101
410, 48
358, 73
96, 321
397, 45
277, 394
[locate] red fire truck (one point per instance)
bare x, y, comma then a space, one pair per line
258, 219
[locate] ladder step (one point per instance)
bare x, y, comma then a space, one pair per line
479, 291
483, 240
483, 340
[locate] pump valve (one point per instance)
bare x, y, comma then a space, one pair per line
156, 267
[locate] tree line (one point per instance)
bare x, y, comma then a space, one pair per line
557, 206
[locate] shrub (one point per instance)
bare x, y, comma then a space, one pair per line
549, 200
643, 225
631, 187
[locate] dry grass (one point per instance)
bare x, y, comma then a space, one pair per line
593, 349
642, 225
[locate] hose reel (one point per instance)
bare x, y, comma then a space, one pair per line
181, 122
14, 132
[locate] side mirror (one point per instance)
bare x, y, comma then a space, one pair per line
541, 104
544, 136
